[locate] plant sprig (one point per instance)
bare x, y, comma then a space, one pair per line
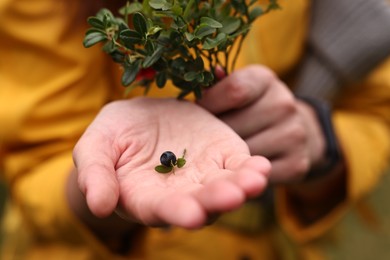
181, 40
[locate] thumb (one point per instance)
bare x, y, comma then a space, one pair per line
94, 159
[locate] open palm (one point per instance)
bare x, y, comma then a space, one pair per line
117, 155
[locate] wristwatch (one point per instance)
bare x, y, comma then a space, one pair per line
333, 154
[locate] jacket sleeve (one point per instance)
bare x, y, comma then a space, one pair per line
362, 123
51, 88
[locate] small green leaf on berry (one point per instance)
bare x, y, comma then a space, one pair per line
180, 162
163, 169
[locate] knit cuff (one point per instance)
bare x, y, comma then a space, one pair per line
346, 40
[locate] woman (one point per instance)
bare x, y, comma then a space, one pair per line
61, 87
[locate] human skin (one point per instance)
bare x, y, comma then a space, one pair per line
263, 111
116, 156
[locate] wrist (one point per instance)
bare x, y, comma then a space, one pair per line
312, 200
329, 155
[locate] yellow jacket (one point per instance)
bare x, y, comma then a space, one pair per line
51, 88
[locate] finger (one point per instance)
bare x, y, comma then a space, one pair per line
286, 146
181, 210
163, 207
101, 190
276, 140
250, 173
238, 89
252, 177
273, 106
96, 174
220, 195
289, 168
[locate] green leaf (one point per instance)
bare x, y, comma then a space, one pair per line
221, 37
154, 29
225, 11
189, 36
230, 25
180, 162
243, 29
179, 23
160, 65
255, 12
198, 92
129, 36
95, 22
178, 64
239, 5
150, 60
130, 88
210, 22
109, 47
209, 44
163, 169
139, 23
273, 5
131, 8
212, 43
117, 56
104, 13
224, 45
184, 51
108, 19
161, 79
208, 78
94, 30
119, 21
188, 10
149, 48
177, 10
122, 27
175, 39
204, 30
200, 78
183, 94
160, 4
130, 73
93, 38
190, 76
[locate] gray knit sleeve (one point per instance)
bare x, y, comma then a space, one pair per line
347, 39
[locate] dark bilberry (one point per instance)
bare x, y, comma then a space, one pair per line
168, 159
